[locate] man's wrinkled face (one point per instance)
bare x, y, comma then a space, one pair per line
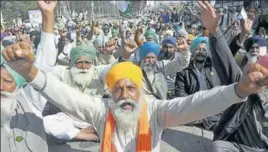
8, 95
169, 48
201, 52
7, 82
150, 58
82, 73
148, 64
125, 89
83, 63
126, 104
254, 50
253, 54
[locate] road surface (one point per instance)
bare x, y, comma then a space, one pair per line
178, 139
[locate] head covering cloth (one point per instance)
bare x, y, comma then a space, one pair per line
19, 80
149, 47
83, 50
124, 70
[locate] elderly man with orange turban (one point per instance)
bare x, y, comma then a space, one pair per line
128, 122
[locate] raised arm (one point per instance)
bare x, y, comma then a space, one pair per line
237, 42
91, 32
138, 40
202, 104
181, 59
179, 63
88, 108
46, 53
223, 60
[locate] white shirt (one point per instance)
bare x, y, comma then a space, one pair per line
162, 114
45, 59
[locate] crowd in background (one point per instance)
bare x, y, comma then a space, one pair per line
180, 52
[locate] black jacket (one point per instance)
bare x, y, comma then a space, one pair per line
229, 72
186, 82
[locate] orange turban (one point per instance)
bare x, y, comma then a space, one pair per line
124, 70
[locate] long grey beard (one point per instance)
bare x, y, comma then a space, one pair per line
251, 58
148, 67
8, 105
83, 79
126, 120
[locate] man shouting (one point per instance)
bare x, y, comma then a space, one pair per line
127, 122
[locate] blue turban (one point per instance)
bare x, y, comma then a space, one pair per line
149, 47
254, 40
17, 78
169, 40
196, 42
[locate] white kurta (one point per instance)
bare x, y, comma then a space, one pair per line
45, 59
162, 114
64, 126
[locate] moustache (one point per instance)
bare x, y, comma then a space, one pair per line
123, 103
6, 94
80, 71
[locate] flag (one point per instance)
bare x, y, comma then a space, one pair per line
125, 8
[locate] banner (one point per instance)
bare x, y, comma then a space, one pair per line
35, 17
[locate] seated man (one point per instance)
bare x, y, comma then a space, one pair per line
200, 75
128, 117
21, 129
243, 126
155, 71
255, 48
171, 51
83, 76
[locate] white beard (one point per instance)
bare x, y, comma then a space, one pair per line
83, 79
126, 120
149, 69
251, 58
8, 105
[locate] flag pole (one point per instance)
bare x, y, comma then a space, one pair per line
118, 13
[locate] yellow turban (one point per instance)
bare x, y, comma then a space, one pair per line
124, 70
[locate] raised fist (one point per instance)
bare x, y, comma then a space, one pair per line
130, 46
47, 6
20, 57
110, 47
254, 79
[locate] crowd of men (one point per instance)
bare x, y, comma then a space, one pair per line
122, 83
